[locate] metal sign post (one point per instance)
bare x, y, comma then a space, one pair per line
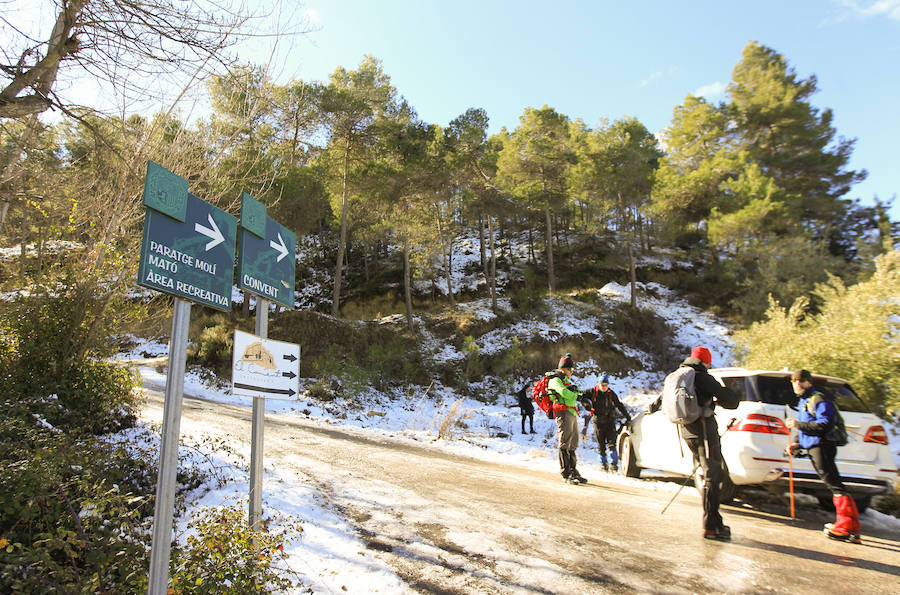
168, 456
256, 434
187, 251
266, 268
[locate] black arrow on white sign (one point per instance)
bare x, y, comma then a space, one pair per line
275, 391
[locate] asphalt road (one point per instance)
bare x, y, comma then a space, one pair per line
451, 524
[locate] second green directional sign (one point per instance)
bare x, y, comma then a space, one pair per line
265, 255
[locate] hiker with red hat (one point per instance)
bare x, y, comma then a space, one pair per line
565, 399
702, 438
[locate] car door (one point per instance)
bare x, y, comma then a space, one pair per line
660, 445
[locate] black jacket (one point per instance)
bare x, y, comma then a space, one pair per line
709, 394
526, 403
604, 405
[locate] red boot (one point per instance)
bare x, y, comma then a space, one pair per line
846, 527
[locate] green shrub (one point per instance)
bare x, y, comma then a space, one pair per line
392, 363
529, 302
341, 375
471, 366
71, 510
213, 349
645, 330
850, 322
224, 556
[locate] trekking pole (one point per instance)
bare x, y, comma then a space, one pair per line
790, 469
791, 476
681, 487
706, 439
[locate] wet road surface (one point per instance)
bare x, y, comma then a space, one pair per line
452, 524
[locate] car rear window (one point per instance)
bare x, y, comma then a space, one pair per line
778, 391
774, 391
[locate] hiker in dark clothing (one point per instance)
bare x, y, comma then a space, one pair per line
816, 417
702, 437
606, 407
526, 405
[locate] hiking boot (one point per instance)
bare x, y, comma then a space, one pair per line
614, 468
723, 533
571, 479
839, 535
605, 468
577, 477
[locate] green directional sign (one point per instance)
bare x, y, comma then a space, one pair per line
266, 255
192, 258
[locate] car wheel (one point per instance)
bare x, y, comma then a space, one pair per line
862, 503
628, 466
727, 488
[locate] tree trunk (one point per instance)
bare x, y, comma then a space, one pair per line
24, 243
407, 289
445, 261
336, 295
551, 274
484, 263
531, 255
493, 276
4, 207
631, 266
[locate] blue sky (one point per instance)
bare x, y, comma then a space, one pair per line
594, 60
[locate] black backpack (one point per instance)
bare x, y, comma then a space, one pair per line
837, 433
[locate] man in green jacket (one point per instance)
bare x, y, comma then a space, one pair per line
565, 399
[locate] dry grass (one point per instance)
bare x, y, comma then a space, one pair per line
453, 420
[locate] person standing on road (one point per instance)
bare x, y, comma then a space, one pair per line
816, 417
526, 406
605, 406
565, 397
702, 437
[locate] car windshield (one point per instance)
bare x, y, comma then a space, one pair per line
778, 391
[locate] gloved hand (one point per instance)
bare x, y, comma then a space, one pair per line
793, 449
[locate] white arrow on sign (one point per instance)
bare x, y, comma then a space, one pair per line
280, 247
213, 234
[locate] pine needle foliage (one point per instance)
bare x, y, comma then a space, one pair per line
855, 334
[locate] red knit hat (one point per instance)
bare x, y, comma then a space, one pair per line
566, 361
702, 354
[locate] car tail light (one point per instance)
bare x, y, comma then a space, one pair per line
876, 434
756, 422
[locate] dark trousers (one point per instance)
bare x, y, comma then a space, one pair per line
708, 453
822, 457
530, 417
605, 433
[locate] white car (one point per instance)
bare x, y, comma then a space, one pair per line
755, 437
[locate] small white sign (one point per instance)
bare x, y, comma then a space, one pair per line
264, 368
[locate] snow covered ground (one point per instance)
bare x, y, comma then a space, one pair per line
329, 555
